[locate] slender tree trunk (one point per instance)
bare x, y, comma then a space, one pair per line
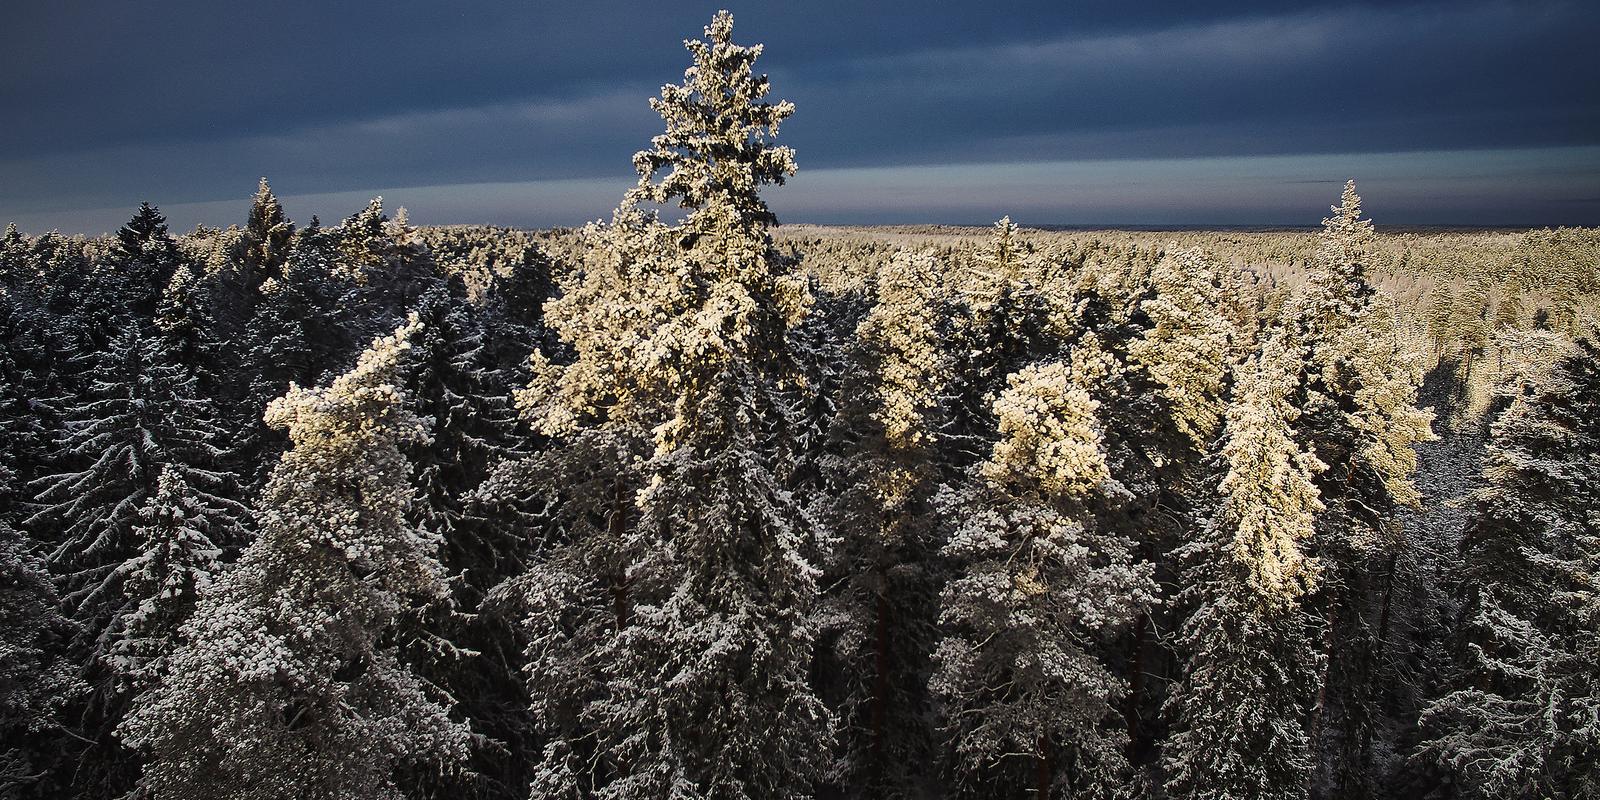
878, 716
617, 527
1388, 601
1136, 680
1043, 769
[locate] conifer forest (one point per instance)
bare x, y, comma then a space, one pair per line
686, 503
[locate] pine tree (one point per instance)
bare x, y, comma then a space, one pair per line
289, 683
37, 681
1027, 701
1010, 321
1185, 350
1522, 719
1238, 712
680, 337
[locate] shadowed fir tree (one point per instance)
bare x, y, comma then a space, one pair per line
882, 474
1522, 719
700, 685
288, 683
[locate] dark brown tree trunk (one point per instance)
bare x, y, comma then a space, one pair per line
1043, 769
1136, 680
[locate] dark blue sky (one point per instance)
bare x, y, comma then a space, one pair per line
1144, 112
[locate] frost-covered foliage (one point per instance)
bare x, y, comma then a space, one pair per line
1024, 696
37, 681
1250, 659
288, 682
1269, 500
1523, 719
1186, 349
175, 562
750, 511
680, 340
140, 414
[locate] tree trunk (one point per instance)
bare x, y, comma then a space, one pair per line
880, 681
1136, 680
1043, 769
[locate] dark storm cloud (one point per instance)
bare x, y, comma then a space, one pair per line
106, 104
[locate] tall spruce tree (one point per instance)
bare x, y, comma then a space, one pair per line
1029, 705
268, 235
1359, 417
680, 335
1251, 661
289, 683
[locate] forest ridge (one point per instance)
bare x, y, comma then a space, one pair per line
685, 504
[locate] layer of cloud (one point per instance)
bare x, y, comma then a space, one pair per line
107, 107
1528, 187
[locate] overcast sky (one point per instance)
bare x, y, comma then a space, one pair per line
1064, 112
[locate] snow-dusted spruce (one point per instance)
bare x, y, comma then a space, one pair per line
881, 476
1238, 714
1027, 702
175, 561
1010, 320
140, 414
1359, 417
680, 335
37, 681
287, 683
268, 235
1523, 719
1186, 348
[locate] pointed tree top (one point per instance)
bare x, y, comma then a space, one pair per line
716, 151
147, 227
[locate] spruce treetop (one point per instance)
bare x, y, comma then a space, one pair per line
663, 317
717, 151
1342, 253
147, 230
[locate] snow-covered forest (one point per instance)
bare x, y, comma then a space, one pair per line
685, 504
